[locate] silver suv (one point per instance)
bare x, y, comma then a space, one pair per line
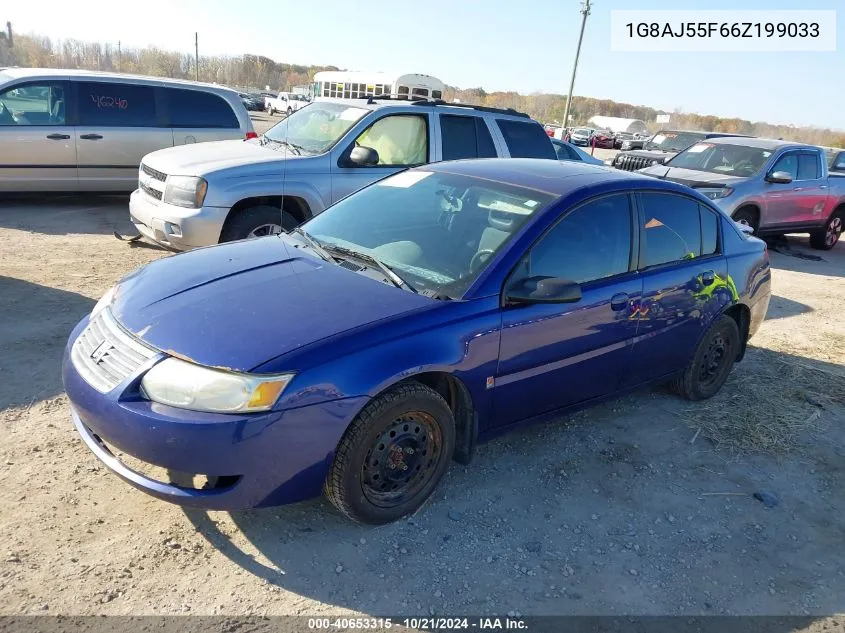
197, 196
77, 130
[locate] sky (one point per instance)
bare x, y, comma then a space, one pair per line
527, 46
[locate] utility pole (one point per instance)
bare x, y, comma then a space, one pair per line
119, 59
197, 53
585, 11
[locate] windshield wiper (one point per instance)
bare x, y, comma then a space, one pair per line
384, 268
314, 244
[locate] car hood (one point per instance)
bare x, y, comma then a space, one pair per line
691, 177
242, 304
199, 159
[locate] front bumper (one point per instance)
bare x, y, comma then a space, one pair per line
265, 459
175, 227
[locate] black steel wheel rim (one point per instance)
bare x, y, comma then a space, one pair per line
715, 359
402, 459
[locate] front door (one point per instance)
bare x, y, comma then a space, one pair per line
117, 127
401, 141
811, 188
555, 355
37, 146
782, 205
685, 283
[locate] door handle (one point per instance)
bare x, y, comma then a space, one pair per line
619, 301
92, 137
708, 277
58, 137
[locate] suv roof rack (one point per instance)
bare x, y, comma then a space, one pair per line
441, 102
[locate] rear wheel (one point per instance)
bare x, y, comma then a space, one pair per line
826, 238
257, 221
712, 363
289, 110
393, 455
748, 217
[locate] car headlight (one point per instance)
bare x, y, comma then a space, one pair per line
185, 191
104, 302
178, 383
717, 193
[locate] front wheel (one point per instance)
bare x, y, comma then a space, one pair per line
393, 455
290, 110
712, 362
257, 221
826, 238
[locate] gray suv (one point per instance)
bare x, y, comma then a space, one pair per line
79, 130
197, 196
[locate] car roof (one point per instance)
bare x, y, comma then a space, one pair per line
557, 178
762, 143
38, 73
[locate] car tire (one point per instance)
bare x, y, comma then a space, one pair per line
407, 428
747, 216
290, 110
248, 223
712, 362
826, 238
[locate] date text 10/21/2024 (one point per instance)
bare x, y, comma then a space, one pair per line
421, 623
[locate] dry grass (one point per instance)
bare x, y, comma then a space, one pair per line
773, 400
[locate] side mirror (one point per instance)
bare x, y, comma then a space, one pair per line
779, 177
363, 156
542, 290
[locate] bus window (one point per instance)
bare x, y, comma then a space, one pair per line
370, 89
420, 92
403, 92
436, 94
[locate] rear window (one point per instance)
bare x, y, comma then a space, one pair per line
465, 137
196, 109
107, 104
526, 140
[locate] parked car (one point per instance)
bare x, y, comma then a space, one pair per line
434, 309
620, 137
661, 147
77, 130
836, 161
581, 136
229, 191
602, 139
774, 187
253, 103
567, 151
636, 142
286, 103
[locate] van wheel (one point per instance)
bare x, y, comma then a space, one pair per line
257, 221
712, 363
393, 455
826, 238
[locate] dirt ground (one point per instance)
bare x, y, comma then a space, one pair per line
628, 508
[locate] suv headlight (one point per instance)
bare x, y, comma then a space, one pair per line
103, 303
185, 191
717, 193
178, 383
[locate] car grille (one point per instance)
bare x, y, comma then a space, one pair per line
153, 172
105, 355
631, 163
154, 193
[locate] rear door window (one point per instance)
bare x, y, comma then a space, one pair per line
526, 139
199, 109
109, 104
671, 229
465, 137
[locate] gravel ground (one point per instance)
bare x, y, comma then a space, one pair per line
621, 509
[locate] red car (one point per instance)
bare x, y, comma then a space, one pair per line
603, 139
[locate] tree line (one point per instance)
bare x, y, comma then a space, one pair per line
255, 72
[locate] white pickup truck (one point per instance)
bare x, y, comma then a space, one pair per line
285, 102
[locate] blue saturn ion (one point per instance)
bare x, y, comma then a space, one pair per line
437, 308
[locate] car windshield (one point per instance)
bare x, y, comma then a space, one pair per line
314, 128
583, 130
731, 160
672, 141
436, 230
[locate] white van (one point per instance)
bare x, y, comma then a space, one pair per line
77, 130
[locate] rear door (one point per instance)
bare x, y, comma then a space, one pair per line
401, 140
117, 126
685, 282
196, 116
465, 136
37, 144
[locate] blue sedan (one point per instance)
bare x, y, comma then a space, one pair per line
435, 309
